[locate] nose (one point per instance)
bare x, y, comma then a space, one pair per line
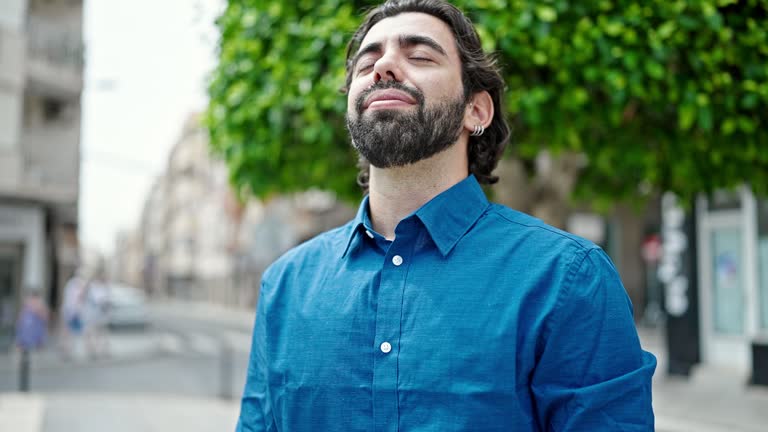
387, 68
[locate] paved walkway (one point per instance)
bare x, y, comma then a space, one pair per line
712, 400
21, 412
69, 412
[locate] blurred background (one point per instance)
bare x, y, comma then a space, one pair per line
156, 157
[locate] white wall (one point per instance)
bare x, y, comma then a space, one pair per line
12, 13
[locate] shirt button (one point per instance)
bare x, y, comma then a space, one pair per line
368, 233
386, 347
397, 260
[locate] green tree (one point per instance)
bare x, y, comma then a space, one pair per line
658, 94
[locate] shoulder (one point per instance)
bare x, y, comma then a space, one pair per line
583, 269
318, 251
525, 232
583, 255
547, 250
585, 281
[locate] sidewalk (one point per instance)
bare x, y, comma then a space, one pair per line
21, 413
711, 400
94, 412
99, 412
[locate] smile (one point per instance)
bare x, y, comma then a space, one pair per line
387, 99
388, 103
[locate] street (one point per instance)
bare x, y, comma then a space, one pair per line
189, 374
169, 376
185, 359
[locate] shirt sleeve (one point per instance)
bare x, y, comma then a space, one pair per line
255, 408
591, 374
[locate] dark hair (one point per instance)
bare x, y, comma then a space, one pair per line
479, 73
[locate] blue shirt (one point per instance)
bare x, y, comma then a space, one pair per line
475, 318
31, 328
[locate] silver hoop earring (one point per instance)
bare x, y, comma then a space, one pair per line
479, 129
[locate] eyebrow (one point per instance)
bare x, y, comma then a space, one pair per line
406, 41
414, 40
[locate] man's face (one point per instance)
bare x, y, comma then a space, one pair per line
406, 99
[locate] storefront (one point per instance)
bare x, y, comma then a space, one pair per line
733, 268
715, 273
23, 264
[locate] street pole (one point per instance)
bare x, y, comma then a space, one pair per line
226, 359
24, 371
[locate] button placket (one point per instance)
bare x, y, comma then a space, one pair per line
387, 336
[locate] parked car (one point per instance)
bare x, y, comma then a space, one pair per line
127, 307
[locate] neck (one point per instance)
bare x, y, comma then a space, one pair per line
395, 193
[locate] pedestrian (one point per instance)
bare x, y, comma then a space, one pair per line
433, 309
72, 313
31, 333
32, 324
95, 316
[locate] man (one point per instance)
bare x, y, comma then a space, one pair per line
434, 310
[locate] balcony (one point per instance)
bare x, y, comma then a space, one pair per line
54, 58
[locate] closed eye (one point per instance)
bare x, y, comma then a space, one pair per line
364, 68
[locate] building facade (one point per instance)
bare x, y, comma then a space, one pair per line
199, 226
732, 237
199, 242
188, 233
126, 264
715, 272
41, 80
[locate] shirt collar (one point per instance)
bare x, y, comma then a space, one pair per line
358, 224
447, 217
451, 214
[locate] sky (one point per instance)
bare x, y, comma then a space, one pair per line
146, 69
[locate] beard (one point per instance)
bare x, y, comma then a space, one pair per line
393, 138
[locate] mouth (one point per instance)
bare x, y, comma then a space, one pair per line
388, 99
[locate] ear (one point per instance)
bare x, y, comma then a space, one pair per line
479, 111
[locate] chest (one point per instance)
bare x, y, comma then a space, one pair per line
472, 318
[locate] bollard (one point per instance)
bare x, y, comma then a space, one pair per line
226, 358
24, 371
759, 361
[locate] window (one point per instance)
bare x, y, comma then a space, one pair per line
728, 280
724, 200
52, 110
